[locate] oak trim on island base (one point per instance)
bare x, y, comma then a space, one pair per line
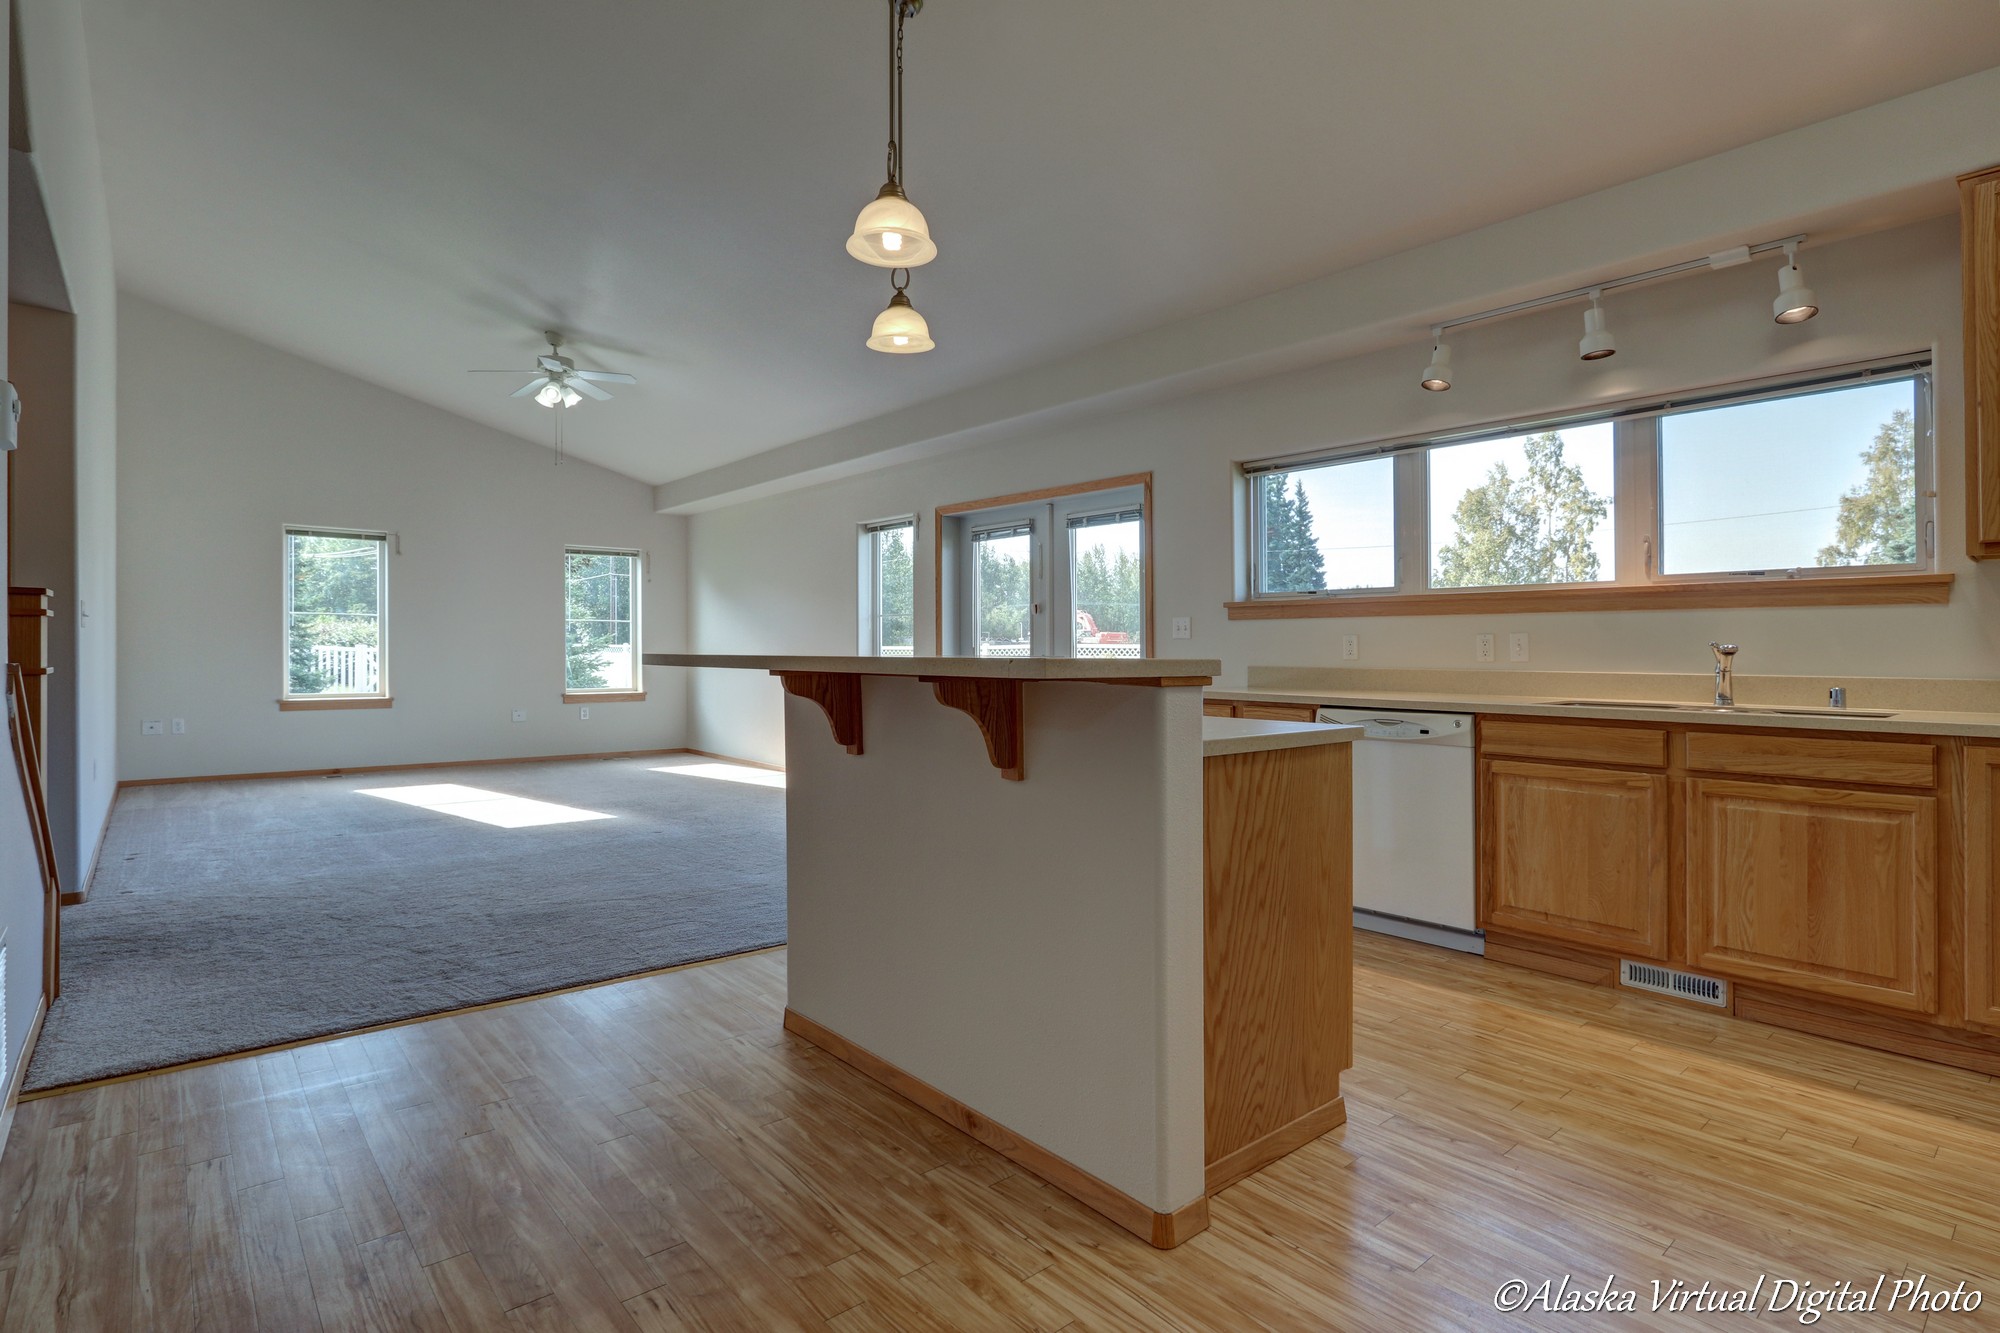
1162, 1231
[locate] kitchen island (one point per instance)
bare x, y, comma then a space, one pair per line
996, 909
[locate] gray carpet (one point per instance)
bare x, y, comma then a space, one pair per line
231, 915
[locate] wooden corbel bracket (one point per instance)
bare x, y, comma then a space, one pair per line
839, 697
996, 706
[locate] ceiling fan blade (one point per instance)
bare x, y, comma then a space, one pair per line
584, 386
515, 371
606, 376
531, 386
549, 362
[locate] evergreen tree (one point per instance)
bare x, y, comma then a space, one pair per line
1003, 595
898, 590
335, 603
1108, 585
1532, 529
1878, 518
1292, 558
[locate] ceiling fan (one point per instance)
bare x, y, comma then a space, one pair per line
556, 382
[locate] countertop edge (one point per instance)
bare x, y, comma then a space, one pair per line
1106, 669
1906, 721
1249, 735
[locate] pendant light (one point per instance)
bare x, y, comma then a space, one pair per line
1437, 375
1597, 342
891, 231
899, 329
1796, 303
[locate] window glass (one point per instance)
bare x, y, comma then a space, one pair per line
600, 620
1001, 604
892, 591
1332, 526
1107, 585
1522, 510
335, 586
1821, 479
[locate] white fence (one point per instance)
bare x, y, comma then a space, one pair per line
349, 670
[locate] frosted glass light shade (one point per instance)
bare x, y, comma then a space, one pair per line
891, 233
1796, 303
900, 329
551, 394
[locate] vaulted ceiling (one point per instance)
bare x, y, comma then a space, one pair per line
406, 191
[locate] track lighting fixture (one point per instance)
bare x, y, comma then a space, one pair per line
1597, 342
1437, 375
1796, 303
899, 329
891, 231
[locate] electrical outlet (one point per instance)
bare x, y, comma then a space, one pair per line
1517, 647
180, 726
583, 713
520, 715
1183, 627
152, 727
1350, 647
1482, 648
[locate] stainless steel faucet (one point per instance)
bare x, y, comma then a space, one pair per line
1725, 674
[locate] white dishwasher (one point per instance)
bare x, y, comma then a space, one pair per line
1413, 826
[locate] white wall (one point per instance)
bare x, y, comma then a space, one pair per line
778, 574
224, 441
63, 131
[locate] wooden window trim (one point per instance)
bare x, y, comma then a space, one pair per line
1919, 589
604, 696
329, 705
1143, 480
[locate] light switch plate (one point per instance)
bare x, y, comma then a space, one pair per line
1517, 647
520, 715
1183, 627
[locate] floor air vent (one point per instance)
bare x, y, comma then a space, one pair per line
1670, 981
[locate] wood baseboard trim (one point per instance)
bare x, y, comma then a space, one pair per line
1920, 1041
1280, 1142
81, 894
401, 768
1576, 964
1160, 1230
88, 1084
14, 1096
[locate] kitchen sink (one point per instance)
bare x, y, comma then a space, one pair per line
1761, 710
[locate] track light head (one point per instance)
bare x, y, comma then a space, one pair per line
1437, 375
1597, 342
1796, 302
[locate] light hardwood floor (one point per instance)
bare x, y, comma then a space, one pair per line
659, 1155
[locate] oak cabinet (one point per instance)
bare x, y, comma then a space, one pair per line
1982, 886
1979, 225
1823, 890
1276, 712
1217, 708
1578, 855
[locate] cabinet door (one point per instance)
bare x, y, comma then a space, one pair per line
1824, 891
1276, 712
1217, 708
1577, 855
1982, 886
1979, 225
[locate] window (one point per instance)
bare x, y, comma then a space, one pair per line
888, 588
1059, 574
336, 614
1800, 480
1332, 526
1822, 480
600, 622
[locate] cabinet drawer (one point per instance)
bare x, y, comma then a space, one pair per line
1588, 743
1276, 712
1815, 758
1217, 708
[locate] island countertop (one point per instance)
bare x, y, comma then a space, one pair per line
1241, 735
1178, 670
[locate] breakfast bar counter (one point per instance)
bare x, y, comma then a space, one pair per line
996, 909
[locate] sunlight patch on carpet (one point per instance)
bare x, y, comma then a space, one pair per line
755, 777
482, 806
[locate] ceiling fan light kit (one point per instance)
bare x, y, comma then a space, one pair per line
892, 232
556, 382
